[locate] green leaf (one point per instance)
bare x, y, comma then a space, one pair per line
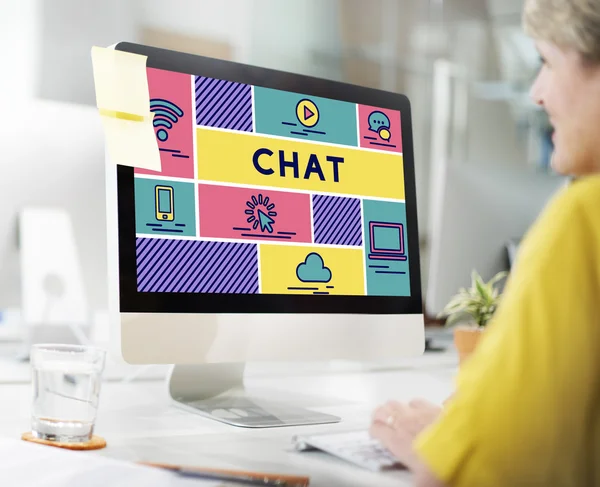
456, 318
478, 303
481, 289
498, 277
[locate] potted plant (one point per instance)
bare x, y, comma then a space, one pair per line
472, 310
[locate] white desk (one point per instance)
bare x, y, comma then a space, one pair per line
13, 371
139, 423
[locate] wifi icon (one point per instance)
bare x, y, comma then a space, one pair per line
166, 114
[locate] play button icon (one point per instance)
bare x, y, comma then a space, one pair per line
307, 113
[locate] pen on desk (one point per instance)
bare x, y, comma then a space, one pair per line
240, 477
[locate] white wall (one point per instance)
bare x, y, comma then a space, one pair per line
48, 42
69, 29
491, 137
18, 36
222, 20
53, 155
270, 33
285, 35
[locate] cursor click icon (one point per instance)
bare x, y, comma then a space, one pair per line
265, 222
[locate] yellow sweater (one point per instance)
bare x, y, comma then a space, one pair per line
527, 406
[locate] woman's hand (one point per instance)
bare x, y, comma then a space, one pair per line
397, 424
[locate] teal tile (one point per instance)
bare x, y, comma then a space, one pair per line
386, 251
305, 117
149, 218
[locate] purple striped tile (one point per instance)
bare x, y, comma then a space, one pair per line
223, 104
337, 220
190, 266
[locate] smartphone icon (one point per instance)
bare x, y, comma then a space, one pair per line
165, 211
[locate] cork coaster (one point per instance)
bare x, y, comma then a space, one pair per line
96, 443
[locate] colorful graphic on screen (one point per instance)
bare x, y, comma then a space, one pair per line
271, 192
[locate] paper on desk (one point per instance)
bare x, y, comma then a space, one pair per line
123, 99
25, 464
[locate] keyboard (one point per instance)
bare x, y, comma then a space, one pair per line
356, 447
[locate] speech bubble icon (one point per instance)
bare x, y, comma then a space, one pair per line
385, 134
378, 120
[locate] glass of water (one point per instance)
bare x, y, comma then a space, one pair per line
66, 391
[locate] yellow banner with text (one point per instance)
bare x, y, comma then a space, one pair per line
242, 158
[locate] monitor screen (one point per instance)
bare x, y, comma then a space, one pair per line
164, 200
269, 191
387, 237
289, 192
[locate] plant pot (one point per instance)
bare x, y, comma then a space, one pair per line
466, 339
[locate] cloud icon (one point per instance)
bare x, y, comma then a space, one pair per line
313, 269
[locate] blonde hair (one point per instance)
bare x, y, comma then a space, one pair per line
571, 24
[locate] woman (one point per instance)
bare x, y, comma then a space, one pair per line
526, 410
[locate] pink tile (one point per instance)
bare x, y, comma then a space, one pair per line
274, 215
373, 123
170, 95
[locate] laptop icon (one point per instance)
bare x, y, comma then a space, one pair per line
387, 241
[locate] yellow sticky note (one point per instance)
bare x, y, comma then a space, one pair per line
131, 143
121, 82
123, 100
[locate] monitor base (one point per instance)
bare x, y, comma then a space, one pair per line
217, 391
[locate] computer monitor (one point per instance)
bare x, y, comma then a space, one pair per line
52, 156
478, 211
281, 227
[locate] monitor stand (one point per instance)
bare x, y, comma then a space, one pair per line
217, 391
